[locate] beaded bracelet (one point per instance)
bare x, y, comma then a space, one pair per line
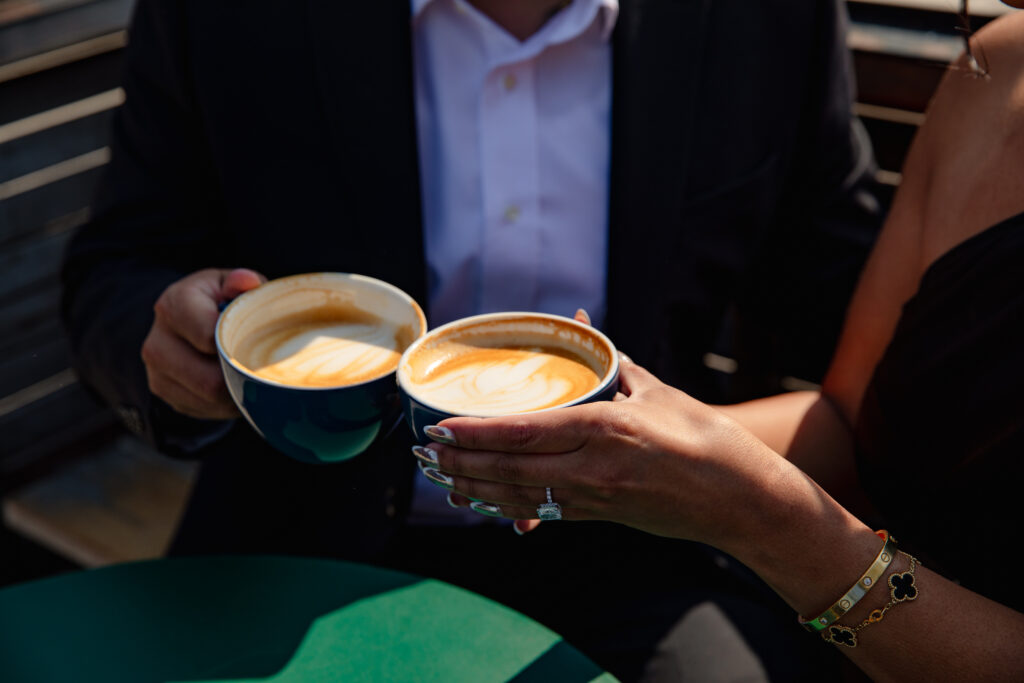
901, 589
858, 590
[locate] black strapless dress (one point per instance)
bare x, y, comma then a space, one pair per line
940, 436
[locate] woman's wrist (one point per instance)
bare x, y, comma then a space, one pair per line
804, 545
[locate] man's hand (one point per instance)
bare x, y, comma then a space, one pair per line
180, 353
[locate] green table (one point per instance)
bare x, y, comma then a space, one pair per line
269, 619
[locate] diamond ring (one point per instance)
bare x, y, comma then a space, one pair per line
549, 511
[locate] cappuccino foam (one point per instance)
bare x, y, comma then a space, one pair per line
500, 380
333, 345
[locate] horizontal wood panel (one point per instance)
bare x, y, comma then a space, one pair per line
37, 354
121, 505
981, 7
47, 31
54, 208
49, 89
46, 425
30, 265
896, 81
47, 147
27, 310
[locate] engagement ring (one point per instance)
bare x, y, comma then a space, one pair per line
549, 511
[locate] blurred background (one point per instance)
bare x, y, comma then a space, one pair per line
77, 489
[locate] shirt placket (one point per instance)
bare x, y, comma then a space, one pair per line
510, 259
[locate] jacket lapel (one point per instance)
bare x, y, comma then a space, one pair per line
363, 60
656, 65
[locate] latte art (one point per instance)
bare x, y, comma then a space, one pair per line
482, 380
331, 346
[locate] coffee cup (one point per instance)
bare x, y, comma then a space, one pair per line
310, 360
504, 364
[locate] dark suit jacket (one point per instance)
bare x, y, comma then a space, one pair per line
281, 137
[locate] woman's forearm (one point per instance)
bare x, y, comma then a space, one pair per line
775, 419
811, 551
807, 429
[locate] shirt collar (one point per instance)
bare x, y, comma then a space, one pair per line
609, 12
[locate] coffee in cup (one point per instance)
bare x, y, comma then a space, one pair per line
310, 360
504, 364
334, 344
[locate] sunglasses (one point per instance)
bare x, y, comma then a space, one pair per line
977, 65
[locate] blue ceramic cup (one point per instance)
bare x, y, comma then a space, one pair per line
504, 364
310, 360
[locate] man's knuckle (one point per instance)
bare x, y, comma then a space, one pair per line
209, 385
164, 305
150, 352
155, 383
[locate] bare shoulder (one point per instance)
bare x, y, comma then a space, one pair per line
972, 144
1004, 35
963, 174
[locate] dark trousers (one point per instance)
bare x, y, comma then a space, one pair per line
642, 607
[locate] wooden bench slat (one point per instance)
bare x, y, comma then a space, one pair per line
27, 314
46, 211
46, 90
119, 506
29, 264
47, 357
29, 153
896, 82
56, 29
48, 424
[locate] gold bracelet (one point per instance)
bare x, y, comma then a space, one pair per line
858, 590
901, 589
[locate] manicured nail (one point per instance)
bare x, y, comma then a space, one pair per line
450, 501
486, 509
427, 455
515, 528
582, 316
439, 478
440, 434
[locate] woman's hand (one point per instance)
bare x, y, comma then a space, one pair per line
657, 460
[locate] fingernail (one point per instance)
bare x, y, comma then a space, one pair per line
439, 478
580, 313
515, 528
427, 455
624, 357
486, 509
450, 501
440, 434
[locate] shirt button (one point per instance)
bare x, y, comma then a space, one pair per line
512, 214
509, 81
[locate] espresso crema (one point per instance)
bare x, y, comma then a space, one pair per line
500, 380
333, 345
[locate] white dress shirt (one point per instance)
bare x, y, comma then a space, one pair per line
514, 144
